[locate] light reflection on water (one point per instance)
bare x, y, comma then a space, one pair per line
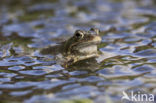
129, 56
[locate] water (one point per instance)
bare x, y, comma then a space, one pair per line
27, 26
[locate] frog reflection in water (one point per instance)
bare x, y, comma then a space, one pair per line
82, 45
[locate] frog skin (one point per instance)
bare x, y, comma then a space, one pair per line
82, 45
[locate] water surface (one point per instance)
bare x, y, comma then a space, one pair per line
27, 26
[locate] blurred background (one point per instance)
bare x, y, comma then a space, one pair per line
26, 26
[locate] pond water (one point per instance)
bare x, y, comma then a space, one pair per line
129, 63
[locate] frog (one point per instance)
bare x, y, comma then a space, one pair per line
81, 46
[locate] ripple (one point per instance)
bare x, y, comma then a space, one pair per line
16, 68
33, 72
80, 92
52, 84
7, 63
18, 85
147, 53
127, 59
9, 75
90, 79
49, 68
5, 80
20, 93
144, 68
70, 86
78, 73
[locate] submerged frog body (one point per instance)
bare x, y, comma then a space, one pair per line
82, 45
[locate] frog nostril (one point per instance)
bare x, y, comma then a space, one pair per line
95, 31
92, 29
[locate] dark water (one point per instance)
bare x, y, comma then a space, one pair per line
27, 26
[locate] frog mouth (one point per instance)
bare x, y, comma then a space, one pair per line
97, 39
86, 48
94, 41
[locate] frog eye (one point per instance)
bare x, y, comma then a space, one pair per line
79, 34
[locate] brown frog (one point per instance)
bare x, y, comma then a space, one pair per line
82, 45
